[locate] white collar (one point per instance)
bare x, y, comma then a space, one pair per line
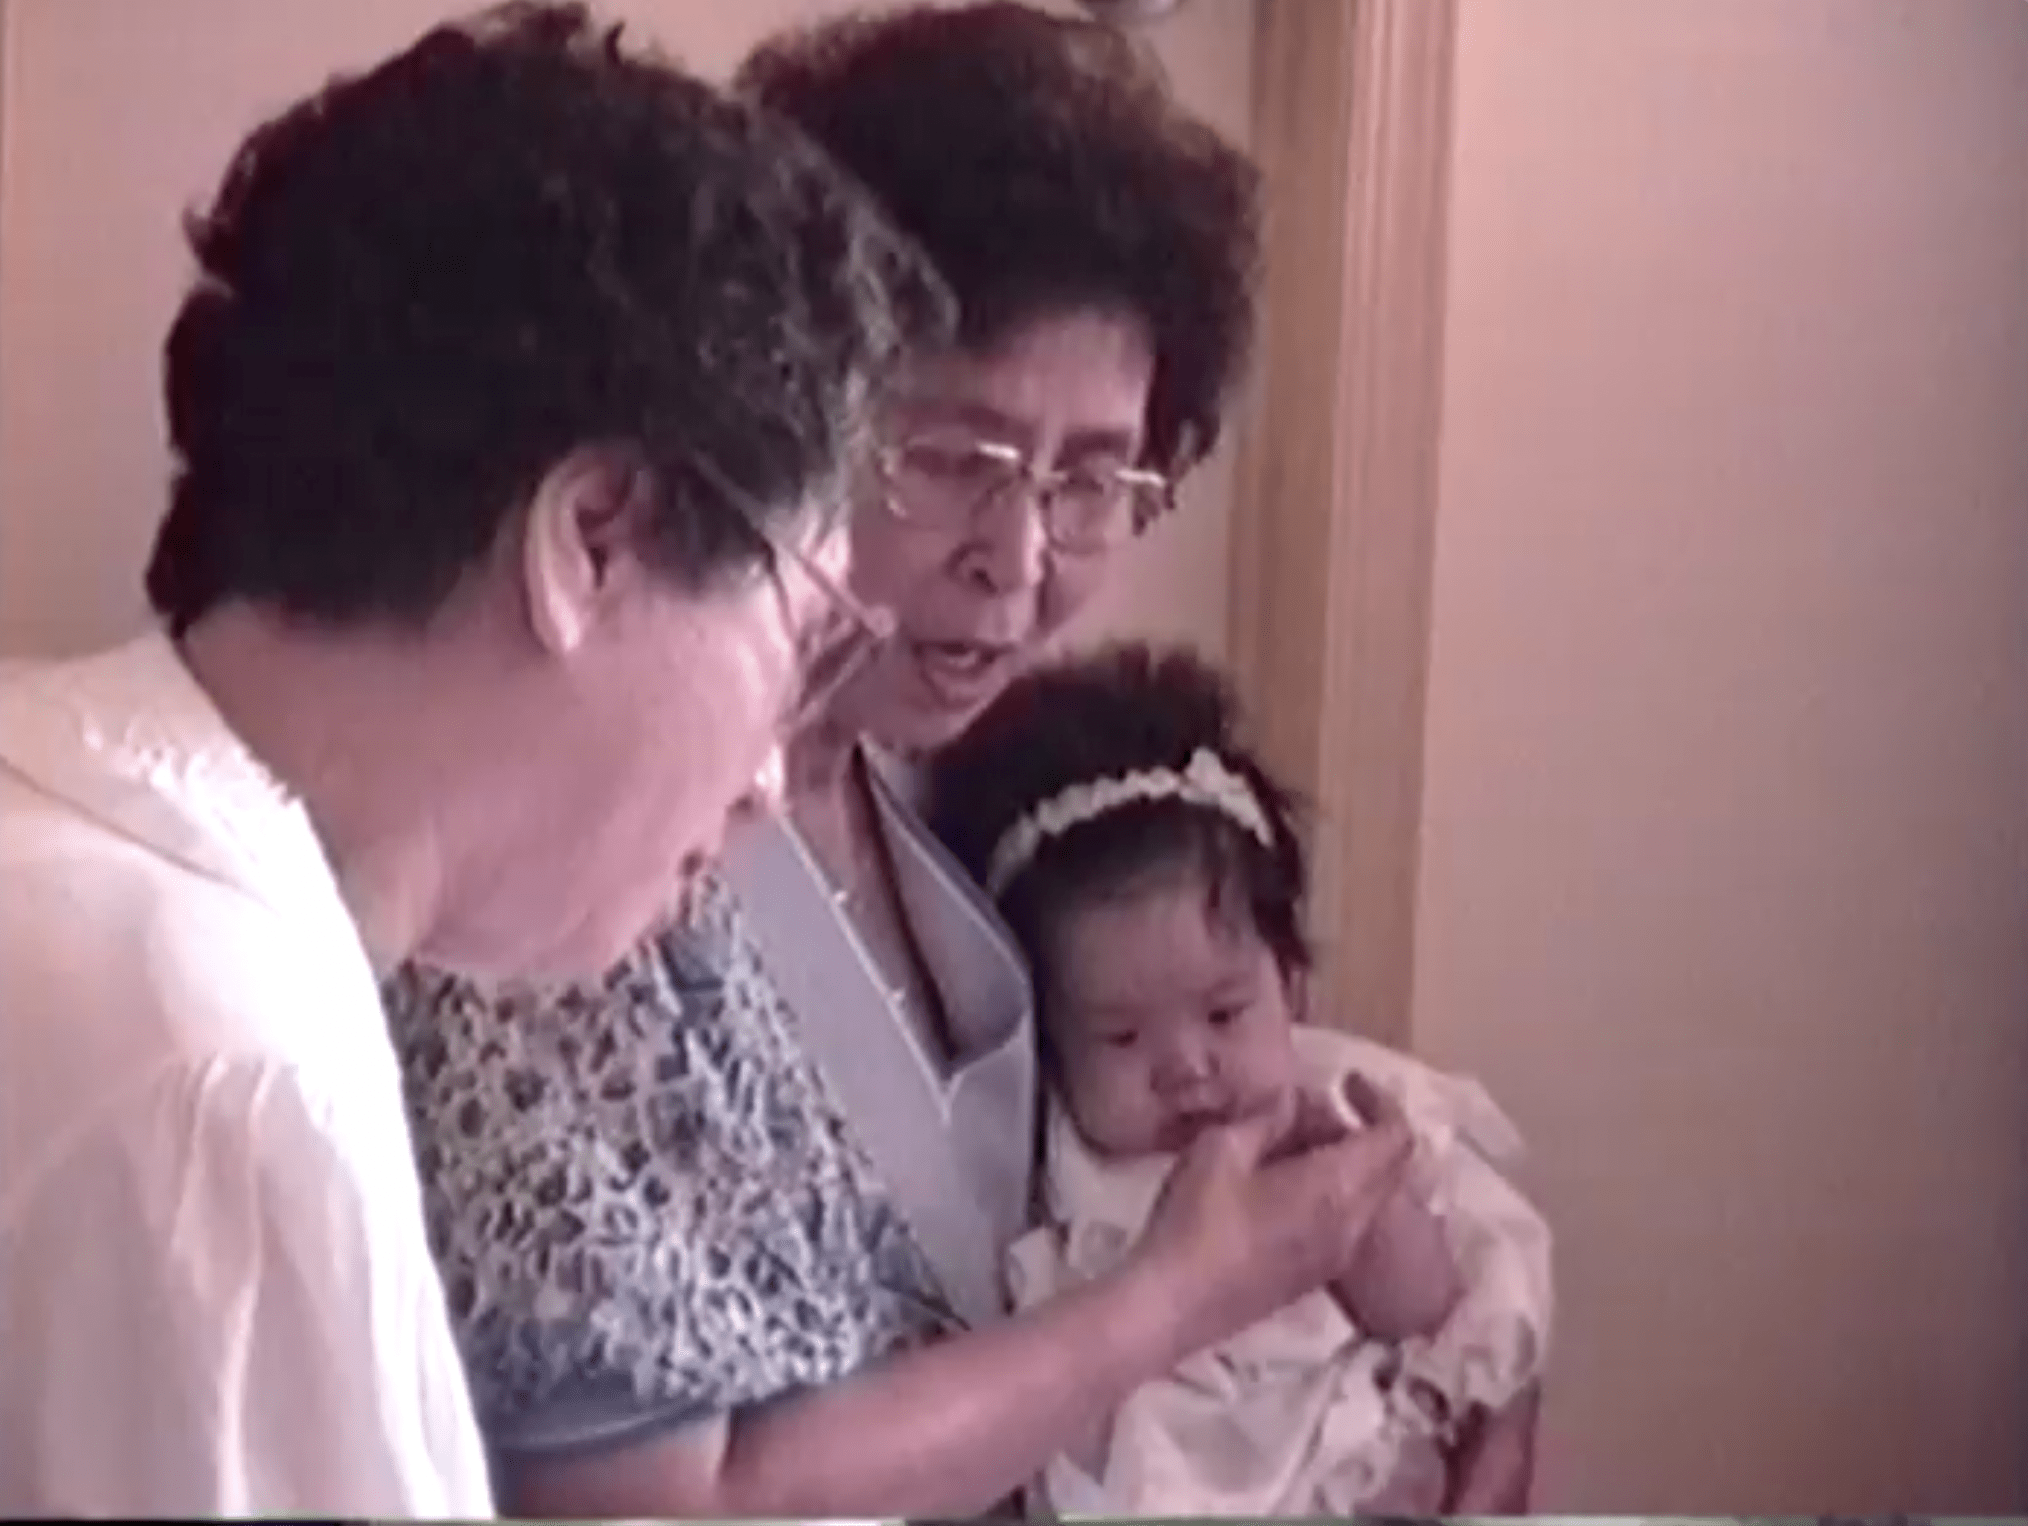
128, 738
1103, 1201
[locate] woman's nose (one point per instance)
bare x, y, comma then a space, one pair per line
1009, 546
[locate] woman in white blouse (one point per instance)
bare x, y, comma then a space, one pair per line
506, 406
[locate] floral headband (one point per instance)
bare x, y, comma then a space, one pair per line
1205, 781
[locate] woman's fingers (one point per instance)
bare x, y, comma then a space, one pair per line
1320, 1117
1252, 1218
1336, 1188
1264, 1134
1316, 1120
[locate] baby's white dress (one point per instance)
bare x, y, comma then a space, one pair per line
1301, 1414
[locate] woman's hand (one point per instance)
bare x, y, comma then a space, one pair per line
1268, 1208
1257, 1214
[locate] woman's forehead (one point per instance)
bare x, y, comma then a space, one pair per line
1083, 376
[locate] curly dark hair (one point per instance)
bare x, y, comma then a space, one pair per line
1044, 163
423, 287
1125, 708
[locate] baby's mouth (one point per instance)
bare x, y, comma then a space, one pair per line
1183, 1125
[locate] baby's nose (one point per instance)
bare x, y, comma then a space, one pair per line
1186, 1062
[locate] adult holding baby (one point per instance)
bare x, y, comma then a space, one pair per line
735, 1251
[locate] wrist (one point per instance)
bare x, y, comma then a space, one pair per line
1154, 1303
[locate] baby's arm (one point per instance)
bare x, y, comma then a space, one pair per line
1407, 1281
1484, 1352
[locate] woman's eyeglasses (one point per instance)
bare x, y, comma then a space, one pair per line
832, 647
944, 480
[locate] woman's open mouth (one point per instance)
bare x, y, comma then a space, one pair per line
962, 675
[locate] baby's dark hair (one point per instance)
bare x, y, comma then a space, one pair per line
1125, 709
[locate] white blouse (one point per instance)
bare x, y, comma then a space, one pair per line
216, 1297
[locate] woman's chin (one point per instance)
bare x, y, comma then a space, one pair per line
918, 729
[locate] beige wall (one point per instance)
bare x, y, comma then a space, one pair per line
1725, 885
121, 113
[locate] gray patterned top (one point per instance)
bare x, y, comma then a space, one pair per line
645, 1205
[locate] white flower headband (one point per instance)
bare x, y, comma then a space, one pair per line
1205, 781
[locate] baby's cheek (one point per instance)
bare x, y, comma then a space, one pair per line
1114, 1108
1272, 1073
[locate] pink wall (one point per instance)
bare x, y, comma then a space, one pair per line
1726, 875
121, 113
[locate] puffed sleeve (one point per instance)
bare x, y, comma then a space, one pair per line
218, 1300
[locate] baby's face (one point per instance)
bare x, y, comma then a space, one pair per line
1165, 1017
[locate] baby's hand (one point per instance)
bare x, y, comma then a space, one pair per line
1407, 1281
1320, 1115
1363, 1104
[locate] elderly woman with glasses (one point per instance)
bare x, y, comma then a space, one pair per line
509, 406
721, 1234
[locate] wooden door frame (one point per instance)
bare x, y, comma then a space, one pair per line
1335, 514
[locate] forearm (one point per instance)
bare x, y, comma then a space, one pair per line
1406, 1281
949, 1430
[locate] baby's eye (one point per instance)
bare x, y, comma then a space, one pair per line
1224, 1017
1123, 1039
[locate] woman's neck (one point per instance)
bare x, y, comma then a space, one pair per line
318, 713
828, 801
818, 764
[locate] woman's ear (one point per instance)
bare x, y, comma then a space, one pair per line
579, 535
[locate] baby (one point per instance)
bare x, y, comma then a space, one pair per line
1152, 871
